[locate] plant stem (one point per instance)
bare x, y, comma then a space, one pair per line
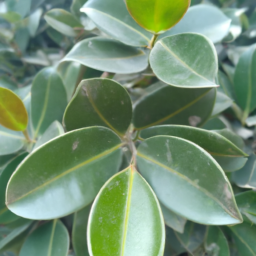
152, 41
26, 135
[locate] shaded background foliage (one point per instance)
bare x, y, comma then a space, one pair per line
42, 45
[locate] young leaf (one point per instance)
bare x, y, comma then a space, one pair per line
72, 168
246, 177
13, 114
126, 218
10, 141
63, 21
203, 19
112, 17
79, 231
216, 243
54, 130
50, 239
212, 142
48, 100
185, 60
173, 220
98, 53
164, 104
245, 81
101, 102
157, 16
7, 216
187, 179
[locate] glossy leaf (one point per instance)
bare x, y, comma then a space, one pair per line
244, 237
186, 178
79, 231
212, 142
225, 85
101, 102
229, 164
126, 218
98, 53
54, 130
173, 220
72, 168
185, 60
10, 141
13, 114
50, 239
216, 123
157, 16
203, 19
246, 177
245, 81
216, 242
222, 103
112, 17
7, 216
164, 104
246, 202
63, 21
48, 100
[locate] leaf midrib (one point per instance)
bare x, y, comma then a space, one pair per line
188, 180
66, 172
52, 237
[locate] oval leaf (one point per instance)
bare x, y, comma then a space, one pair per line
186, 179
245, 81
101, 102
72, 168
185, 60
164, 104
48, 100
212, 142
116, 22
126, 218
98, 53
7, 216
50, 239
10, 141
63, 21
13, 114
157, 16
203, 19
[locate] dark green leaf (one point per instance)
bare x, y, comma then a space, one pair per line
186, 179
164, 104
126, 218
101, 102
72, 168
185, 60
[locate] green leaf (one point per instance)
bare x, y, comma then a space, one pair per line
72, 168
174, 166
229, 164
245, 81
246, 202
7, 216
251, 121
11, 17
54, 130
244, 237
212, 142
126, 218
10, 141
48, 100
222, 103
79, 230
246, 177
103, 102
216, 123
216, 243
173, 220
164, 104
98, 53
157, 16
63, 21
13, 115
225, 85
112, 17
177, 60
33, 21
203, 19
50, 239
76, 6
21, 7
